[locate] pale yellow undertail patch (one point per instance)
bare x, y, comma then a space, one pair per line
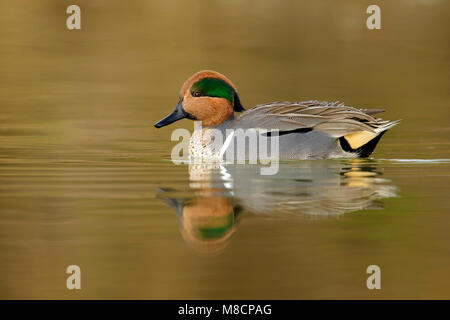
359, 138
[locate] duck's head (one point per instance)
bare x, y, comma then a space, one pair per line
207, 96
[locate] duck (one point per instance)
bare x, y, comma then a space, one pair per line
306, 130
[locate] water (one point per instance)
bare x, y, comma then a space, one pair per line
85, 179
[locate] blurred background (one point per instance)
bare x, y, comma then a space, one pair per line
86, 179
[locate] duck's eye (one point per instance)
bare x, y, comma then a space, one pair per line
196, 93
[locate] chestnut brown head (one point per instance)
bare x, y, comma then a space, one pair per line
207, 96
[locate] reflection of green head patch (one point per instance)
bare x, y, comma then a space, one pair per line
212, 87
216, 232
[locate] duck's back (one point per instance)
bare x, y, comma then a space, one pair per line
317, 130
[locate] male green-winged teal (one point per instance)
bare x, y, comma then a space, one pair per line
307, 129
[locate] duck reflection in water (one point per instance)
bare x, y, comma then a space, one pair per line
311, 189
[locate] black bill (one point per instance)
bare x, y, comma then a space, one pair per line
177, 114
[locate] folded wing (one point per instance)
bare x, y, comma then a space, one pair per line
358, 126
